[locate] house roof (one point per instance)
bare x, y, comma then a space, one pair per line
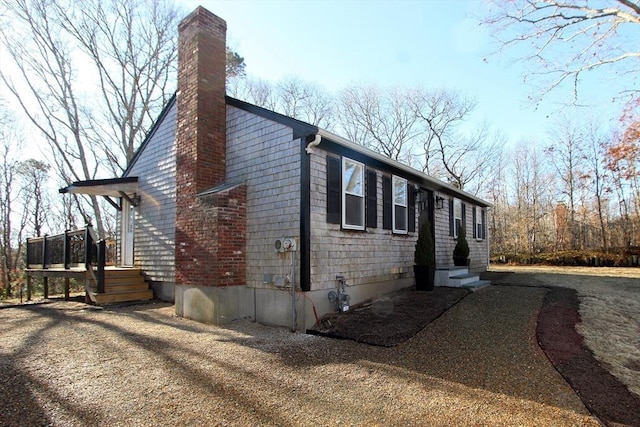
151, 132
331, 140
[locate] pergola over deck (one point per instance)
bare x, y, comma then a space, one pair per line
117, 188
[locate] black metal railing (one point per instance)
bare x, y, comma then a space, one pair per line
71, 249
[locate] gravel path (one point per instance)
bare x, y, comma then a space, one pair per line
609, 309
65, 365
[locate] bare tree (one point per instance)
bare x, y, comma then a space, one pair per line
291, 96
532, 193
383, 120
12, 220
91, 79
35, 197
565, 154
565, 39
595, 162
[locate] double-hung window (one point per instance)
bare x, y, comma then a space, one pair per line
457, 217
352, 194
400, 204
479, 232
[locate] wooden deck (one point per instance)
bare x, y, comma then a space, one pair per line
120, 284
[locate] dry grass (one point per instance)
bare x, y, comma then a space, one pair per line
610, 311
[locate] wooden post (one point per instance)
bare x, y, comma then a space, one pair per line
66, 249
87, 248
101, 261
45, 286
66, 289
44, 252
28, 257
28, 287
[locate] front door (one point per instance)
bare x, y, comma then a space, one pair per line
126, 238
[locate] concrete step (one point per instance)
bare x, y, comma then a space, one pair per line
453, 270
463, 279
478, 284
444, 273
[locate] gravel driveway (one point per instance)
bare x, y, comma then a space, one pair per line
66, 364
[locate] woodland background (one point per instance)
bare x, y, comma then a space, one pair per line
89, 82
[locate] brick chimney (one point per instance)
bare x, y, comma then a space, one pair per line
203, 222
201, 131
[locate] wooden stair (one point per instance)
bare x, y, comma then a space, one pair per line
121, 285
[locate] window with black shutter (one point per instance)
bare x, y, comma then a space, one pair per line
353, 196
400, 204
457, 213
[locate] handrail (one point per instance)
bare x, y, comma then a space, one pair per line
77, 248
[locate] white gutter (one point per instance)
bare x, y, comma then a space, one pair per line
313, 143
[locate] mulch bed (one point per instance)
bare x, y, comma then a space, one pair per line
398, 316
604, 396
392, 319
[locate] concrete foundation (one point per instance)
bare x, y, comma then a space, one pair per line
163, 291
357, 295
214, 305
273, 307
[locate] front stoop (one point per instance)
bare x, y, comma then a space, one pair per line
459, 277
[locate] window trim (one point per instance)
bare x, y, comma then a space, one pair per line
345, 193
457, 202
394, 180
478, 223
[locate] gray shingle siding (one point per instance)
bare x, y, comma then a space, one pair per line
155, 167
375, 255
264, 155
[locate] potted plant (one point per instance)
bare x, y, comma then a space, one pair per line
425, 259
461, 251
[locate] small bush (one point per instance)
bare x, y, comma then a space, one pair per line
571, 258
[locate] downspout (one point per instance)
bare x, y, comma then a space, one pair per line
304, 248
314, 143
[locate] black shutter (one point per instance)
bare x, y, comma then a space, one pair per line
387, 204
411, 208
451, 219
475, 233
464, 219
334, 190
484, 227
372, 199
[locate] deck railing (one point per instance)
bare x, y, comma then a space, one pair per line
77, 249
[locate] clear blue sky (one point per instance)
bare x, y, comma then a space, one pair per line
425, 43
